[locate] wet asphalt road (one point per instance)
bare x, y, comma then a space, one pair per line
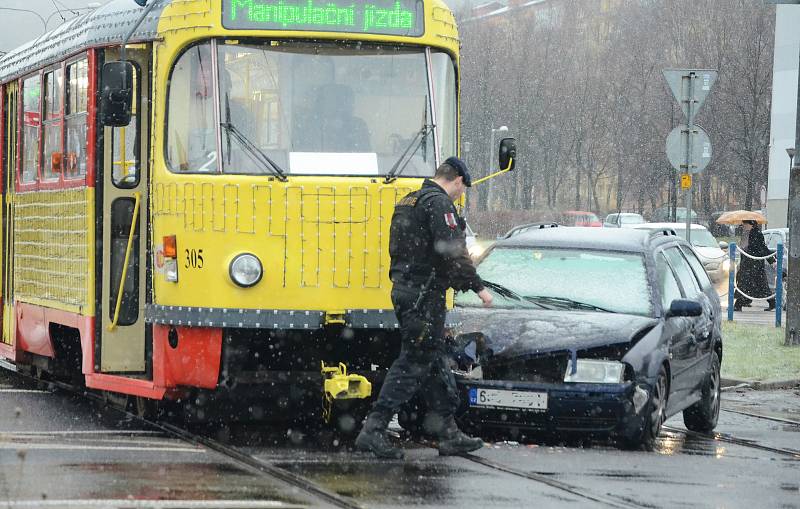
57, 450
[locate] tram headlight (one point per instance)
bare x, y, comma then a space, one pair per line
246, 270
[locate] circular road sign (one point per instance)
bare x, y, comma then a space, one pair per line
677, 143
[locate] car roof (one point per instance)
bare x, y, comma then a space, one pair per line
782, 230
669, 226
577, 212
609, 239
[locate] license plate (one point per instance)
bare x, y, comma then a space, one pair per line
493, 398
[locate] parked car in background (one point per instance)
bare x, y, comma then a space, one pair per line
592, 331
622, 220
773, 237
579, 218
661, 215
711, 253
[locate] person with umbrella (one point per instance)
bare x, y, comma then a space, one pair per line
751, 278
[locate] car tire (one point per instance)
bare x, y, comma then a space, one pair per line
703, 415
645, 438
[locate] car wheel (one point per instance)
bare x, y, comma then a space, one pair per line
703, 415
655, 410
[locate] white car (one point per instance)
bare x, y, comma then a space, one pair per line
711, 253
623, 220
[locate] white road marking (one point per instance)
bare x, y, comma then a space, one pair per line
83, 447
158, 504
25, 391
83, 432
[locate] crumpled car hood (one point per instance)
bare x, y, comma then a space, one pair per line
523, 333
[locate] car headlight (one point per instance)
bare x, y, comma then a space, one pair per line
595, 372
246, 270
726, 265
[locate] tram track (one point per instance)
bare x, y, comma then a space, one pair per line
260, 467
731, 439
610, 501
246, 461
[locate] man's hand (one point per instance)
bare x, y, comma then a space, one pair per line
486, 297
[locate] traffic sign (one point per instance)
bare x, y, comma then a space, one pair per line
702, 80
686, 181
678, 145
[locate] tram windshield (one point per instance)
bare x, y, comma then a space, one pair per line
311, 109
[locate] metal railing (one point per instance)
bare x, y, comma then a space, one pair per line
733, 289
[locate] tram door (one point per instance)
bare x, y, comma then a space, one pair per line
126, 344
9, 150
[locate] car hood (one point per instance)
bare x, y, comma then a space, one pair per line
530, 332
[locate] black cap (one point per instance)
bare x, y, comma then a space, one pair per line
461, 168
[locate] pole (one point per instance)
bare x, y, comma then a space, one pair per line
689, 162
793, 221
731, 279
779, 285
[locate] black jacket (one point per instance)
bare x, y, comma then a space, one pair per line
426, 235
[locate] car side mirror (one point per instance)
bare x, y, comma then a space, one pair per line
684, 307
116, 96
723, 245
508, 153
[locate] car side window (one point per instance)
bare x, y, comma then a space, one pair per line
690, 285
666, 281
697, 267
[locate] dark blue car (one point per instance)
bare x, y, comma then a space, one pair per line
593, 331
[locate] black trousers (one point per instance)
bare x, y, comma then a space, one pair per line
423, 364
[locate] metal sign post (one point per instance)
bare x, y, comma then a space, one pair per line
688, 145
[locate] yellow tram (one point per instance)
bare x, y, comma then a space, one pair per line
197, 193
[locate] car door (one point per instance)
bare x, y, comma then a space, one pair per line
676, 331
698, 342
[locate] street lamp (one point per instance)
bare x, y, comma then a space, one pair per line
790, 151
501, 129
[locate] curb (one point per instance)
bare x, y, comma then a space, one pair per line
760, 385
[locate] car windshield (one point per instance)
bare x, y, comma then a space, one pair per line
567, 279
311, 109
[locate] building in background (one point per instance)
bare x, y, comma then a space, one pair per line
784, 111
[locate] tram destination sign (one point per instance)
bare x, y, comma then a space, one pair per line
384, 17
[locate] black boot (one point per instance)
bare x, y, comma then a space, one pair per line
770, 305
737, 306
373, 438
453, 442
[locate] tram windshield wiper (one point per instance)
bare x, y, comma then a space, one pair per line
419, 138
255, 153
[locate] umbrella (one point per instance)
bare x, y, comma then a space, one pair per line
737, 216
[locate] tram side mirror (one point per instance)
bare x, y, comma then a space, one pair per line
508, 153
116, 97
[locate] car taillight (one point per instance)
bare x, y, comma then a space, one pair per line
170, 259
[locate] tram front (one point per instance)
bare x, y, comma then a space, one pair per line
289, 133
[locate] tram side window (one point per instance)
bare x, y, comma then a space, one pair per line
31, 122
125, 156
191, 135
76, 119
53, 122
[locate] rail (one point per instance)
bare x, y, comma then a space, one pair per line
134, 220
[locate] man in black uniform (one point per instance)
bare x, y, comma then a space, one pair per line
428, 255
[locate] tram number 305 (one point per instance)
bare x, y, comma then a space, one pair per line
194, 259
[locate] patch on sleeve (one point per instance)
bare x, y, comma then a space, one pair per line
450, 219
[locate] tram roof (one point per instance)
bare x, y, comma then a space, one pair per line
106, 25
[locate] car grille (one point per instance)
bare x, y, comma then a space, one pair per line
547, 369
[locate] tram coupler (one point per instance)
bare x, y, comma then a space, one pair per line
338, 385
